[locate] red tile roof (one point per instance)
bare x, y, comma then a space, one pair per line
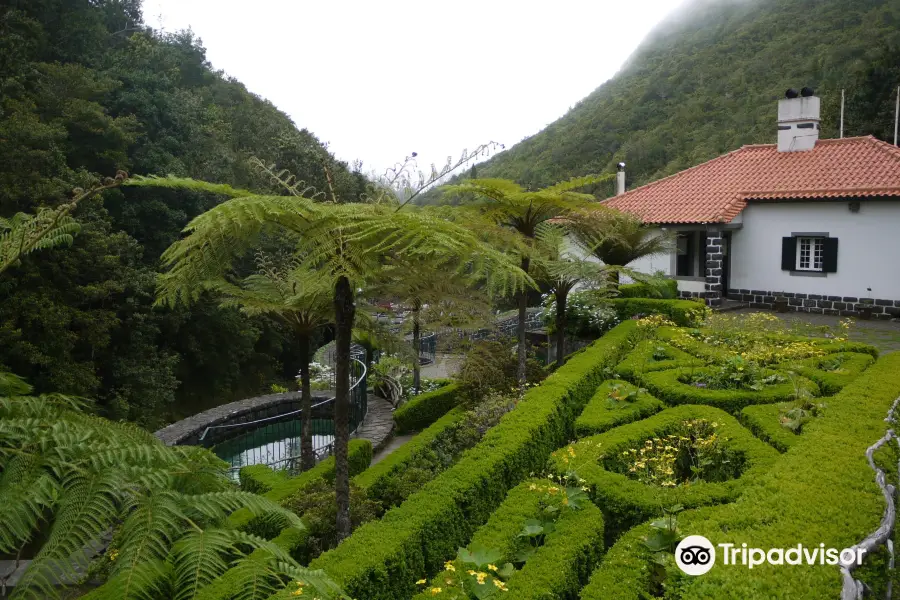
716, 191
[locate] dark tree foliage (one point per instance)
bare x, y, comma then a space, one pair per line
706, 82
86, 88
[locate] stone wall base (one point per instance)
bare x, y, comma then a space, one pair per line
844, 306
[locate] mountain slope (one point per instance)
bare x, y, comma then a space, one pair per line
706, 82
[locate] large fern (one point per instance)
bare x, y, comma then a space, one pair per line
77, 481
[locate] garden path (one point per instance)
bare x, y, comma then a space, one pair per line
395, 443
378, 424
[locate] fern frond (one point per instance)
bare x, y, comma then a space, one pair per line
26, 492
577, 183
186, 183
149, 580
215, 506
198, 558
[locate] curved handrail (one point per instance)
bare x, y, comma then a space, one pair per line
359, 379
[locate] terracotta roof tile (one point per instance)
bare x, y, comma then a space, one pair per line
718, 190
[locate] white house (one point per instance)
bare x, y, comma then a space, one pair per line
817, 221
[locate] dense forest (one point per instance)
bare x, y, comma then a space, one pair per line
706, 81
87, 89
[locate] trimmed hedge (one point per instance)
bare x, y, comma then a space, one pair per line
821, 491
666, 386
279, 489
558, 569
667, 289
423, 410
598, 417
831, 382
685, 313
624, 573
763, 421
628, 501
383, 559
372, 478
640, 360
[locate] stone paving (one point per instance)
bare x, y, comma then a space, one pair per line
392, 445
378, 425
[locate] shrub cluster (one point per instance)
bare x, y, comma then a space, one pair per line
666, 289
628, 501
492, 368
654, 355
421, 411
833, 372
685, 313
763, 420
383, 559
616, 402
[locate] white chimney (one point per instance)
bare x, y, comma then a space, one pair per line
798, 121
620, 179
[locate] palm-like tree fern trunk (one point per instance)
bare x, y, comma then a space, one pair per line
417, 341
307, 459
520, 327
562, 297
344, 312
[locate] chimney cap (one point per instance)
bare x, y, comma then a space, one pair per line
807, 92
791, 93
620, 166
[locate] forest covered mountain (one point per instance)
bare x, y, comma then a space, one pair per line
86, 88
706, 82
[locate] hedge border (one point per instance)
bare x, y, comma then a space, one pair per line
383, 559
280, 488
821, 491
628, 501
762, 421
666, 386
396, 460
597, 417
665, 290
830, 382
624, 573
560, 567
640, 360
685, 313
423, 410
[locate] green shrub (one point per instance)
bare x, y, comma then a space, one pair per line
666, 289
383, 559
421, 411
492, 368
654, 355
821, 491
588, 314
259, 479
764, 421
685, 313
629, 501
624, 573
833, 372
606, 410
397, 460
672, 388
552, 558
281, 488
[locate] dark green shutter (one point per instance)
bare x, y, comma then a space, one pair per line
788, 253
829, 255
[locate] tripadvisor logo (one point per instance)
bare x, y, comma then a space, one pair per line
696, 555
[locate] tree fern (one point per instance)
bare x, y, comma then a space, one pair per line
79, 480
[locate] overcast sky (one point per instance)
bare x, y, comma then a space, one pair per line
380, 79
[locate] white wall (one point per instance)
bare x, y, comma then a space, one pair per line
868, 248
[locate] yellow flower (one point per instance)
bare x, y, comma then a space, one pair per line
449, 566
470, 572
492, 567
421, 582
435, 591
480, 577
113, 555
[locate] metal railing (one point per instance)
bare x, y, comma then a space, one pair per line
427, 349
275, 441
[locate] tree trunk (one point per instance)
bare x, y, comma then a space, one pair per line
307, 458
520, 328
417, 341
561, 299
344, 310
613, 275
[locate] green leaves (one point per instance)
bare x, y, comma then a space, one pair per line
479, 556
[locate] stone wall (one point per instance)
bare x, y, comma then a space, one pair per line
188, 431
844, 306
714, 258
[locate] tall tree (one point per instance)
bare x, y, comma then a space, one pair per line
285, 289
345, 244
507, 204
